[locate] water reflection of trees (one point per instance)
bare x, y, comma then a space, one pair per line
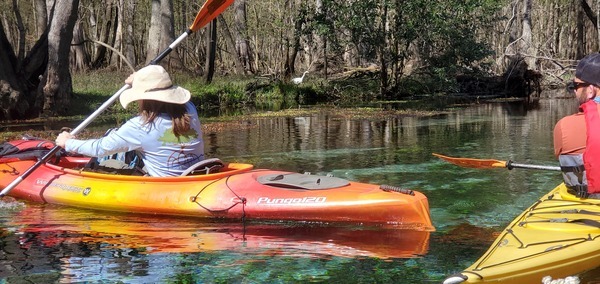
332, 142
49, 257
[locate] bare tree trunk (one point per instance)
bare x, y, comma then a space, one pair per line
292, 49
118, 45
154, 41
319, 38
239, 68
241, 35
12, 101
211, 50
384, 84
21, 29
511, 49
350, 55
184, 19
32, 69
589, 13
580, 50
56, 84
153, 46
41, 17
124, 34
80, 58
298, 23
526, 35
161, 32
128, 41
104, 34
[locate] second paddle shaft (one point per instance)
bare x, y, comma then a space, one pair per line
510, 165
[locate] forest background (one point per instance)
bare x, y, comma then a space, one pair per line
57, 56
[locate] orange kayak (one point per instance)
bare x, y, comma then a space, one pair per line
236, 191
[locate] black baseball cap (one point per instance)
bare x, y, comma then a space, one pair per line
588, 69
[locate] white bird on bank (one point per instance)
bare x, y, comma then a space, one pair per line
299, 79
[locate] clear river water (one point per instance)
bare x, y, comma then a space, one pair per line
51, 244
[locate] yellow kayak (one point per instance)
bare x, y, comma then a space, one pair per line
557, 236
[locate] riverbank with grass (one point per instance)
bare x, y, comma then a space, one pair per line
233, 94
230, 102
223, 94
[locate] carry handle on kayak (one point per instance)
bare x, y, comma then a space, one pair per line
210, 10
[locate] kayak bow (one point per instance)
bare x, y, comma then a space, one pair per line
557, 236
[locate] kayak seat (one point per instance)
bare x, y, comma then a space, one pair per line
126, 163
204, 167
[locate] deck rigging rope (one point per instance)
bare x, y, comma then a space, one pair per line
13, 172
241, 200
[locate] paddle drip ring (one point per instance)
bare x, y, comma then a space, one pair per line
509, 165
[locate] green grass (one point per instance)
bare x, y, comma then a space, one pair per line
231, 98
92, 89
234, 94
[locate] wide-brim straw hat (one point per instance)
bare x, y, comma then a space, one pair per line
154, 83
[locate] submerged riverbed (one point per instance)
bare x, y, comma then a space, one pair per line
44, 243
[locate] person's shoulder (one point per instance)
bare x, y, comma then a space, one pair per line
575, 116
190, 104
191, 108
572, 119
133, 123
135, 120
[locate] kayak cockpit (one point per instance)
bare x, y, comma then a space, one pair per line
75, 166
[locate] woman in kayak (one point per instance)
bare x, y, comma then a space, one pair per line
166, 133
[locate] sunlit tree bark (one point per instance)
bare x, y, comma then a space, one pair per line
80, 58
161, 32
129, 34
41, 17
56, 84
240, 34
527, 36
104, 33
115, 59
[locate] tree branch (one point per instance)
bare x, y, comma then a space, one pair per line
589, 13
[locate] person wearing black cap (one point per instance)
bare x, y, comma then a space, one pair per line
570, 132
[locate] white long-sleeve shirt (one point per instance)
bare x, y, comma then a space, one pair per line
162, 152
